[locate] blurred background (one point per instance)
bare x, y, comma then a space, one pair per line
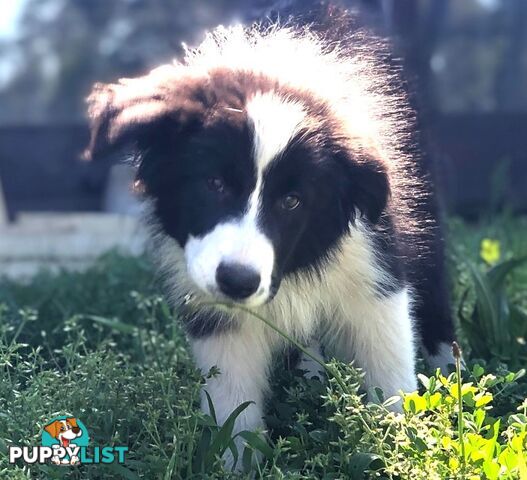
465, 60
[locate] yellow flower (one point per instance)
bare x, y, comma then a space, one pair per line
490, 250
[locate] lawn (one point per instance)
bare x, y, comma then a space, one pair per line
103, 346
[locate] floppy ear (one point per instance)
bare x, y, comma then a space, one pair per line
72, 421
123, 112
367, 187
370, 189
53, 428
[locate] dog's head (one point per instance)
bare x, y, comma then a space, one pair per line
254, 178
64, 430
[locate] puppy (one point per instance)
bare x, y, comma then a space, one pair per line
281, 175
64, 431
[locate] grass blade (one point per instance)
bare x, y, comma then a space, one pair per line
223, 438
212, 411
486, 305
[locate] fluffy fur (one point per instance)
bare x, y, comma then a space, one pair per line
281, 173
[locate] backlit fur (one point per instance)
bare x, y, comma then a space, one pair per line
284, 109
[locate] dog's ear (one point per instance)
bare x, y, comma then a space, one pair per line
72, 421
126, 111
370, 190
53, 428
367, 186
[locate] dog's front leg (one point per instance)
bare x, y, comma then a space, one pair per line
242, 356
377, 333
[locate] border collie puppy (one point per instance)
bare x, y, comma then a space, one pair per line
281, 174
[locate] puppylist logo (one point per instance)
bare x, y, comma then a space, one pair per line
65, 441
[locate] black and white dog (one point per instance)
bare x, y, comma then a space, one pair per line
282, 175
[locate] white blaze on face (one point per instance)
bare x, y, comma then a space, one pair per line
274, 122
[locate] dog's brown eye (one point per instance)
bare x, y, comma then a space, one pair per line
290, 202
216, 184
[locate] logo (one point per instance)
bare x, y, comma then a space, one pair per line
65, 436
65, 441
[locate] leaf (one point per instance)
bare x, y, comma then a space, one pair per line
485, 306
490, 446
202, 450
391, 401
207, 421
522, 465
477, 370
376, 395
424, 380
169, 471
484, 399
497, 274
247, 459
361, 462
211, 407
434, 400
491, 469
415, 403
420, 445
256, 442
479, 417
234, 451
467, 389
223, 437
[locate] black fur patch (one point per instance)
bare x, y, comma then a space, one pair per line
204, 322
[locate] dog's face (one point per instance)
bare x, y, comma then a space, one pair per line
64, 430
254, 181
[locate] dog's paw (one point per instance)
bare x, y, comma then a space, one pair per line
55, 460
74, 460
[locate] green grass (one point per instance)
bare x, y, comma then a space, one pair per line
102, 345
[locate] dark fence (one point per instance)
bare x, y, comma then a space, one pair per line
41, 170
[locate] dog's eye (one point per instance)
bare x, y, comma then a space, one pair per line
290, 201
216, 184
62, 428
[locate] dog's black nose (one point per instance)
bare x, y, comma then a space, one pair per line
236, 280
